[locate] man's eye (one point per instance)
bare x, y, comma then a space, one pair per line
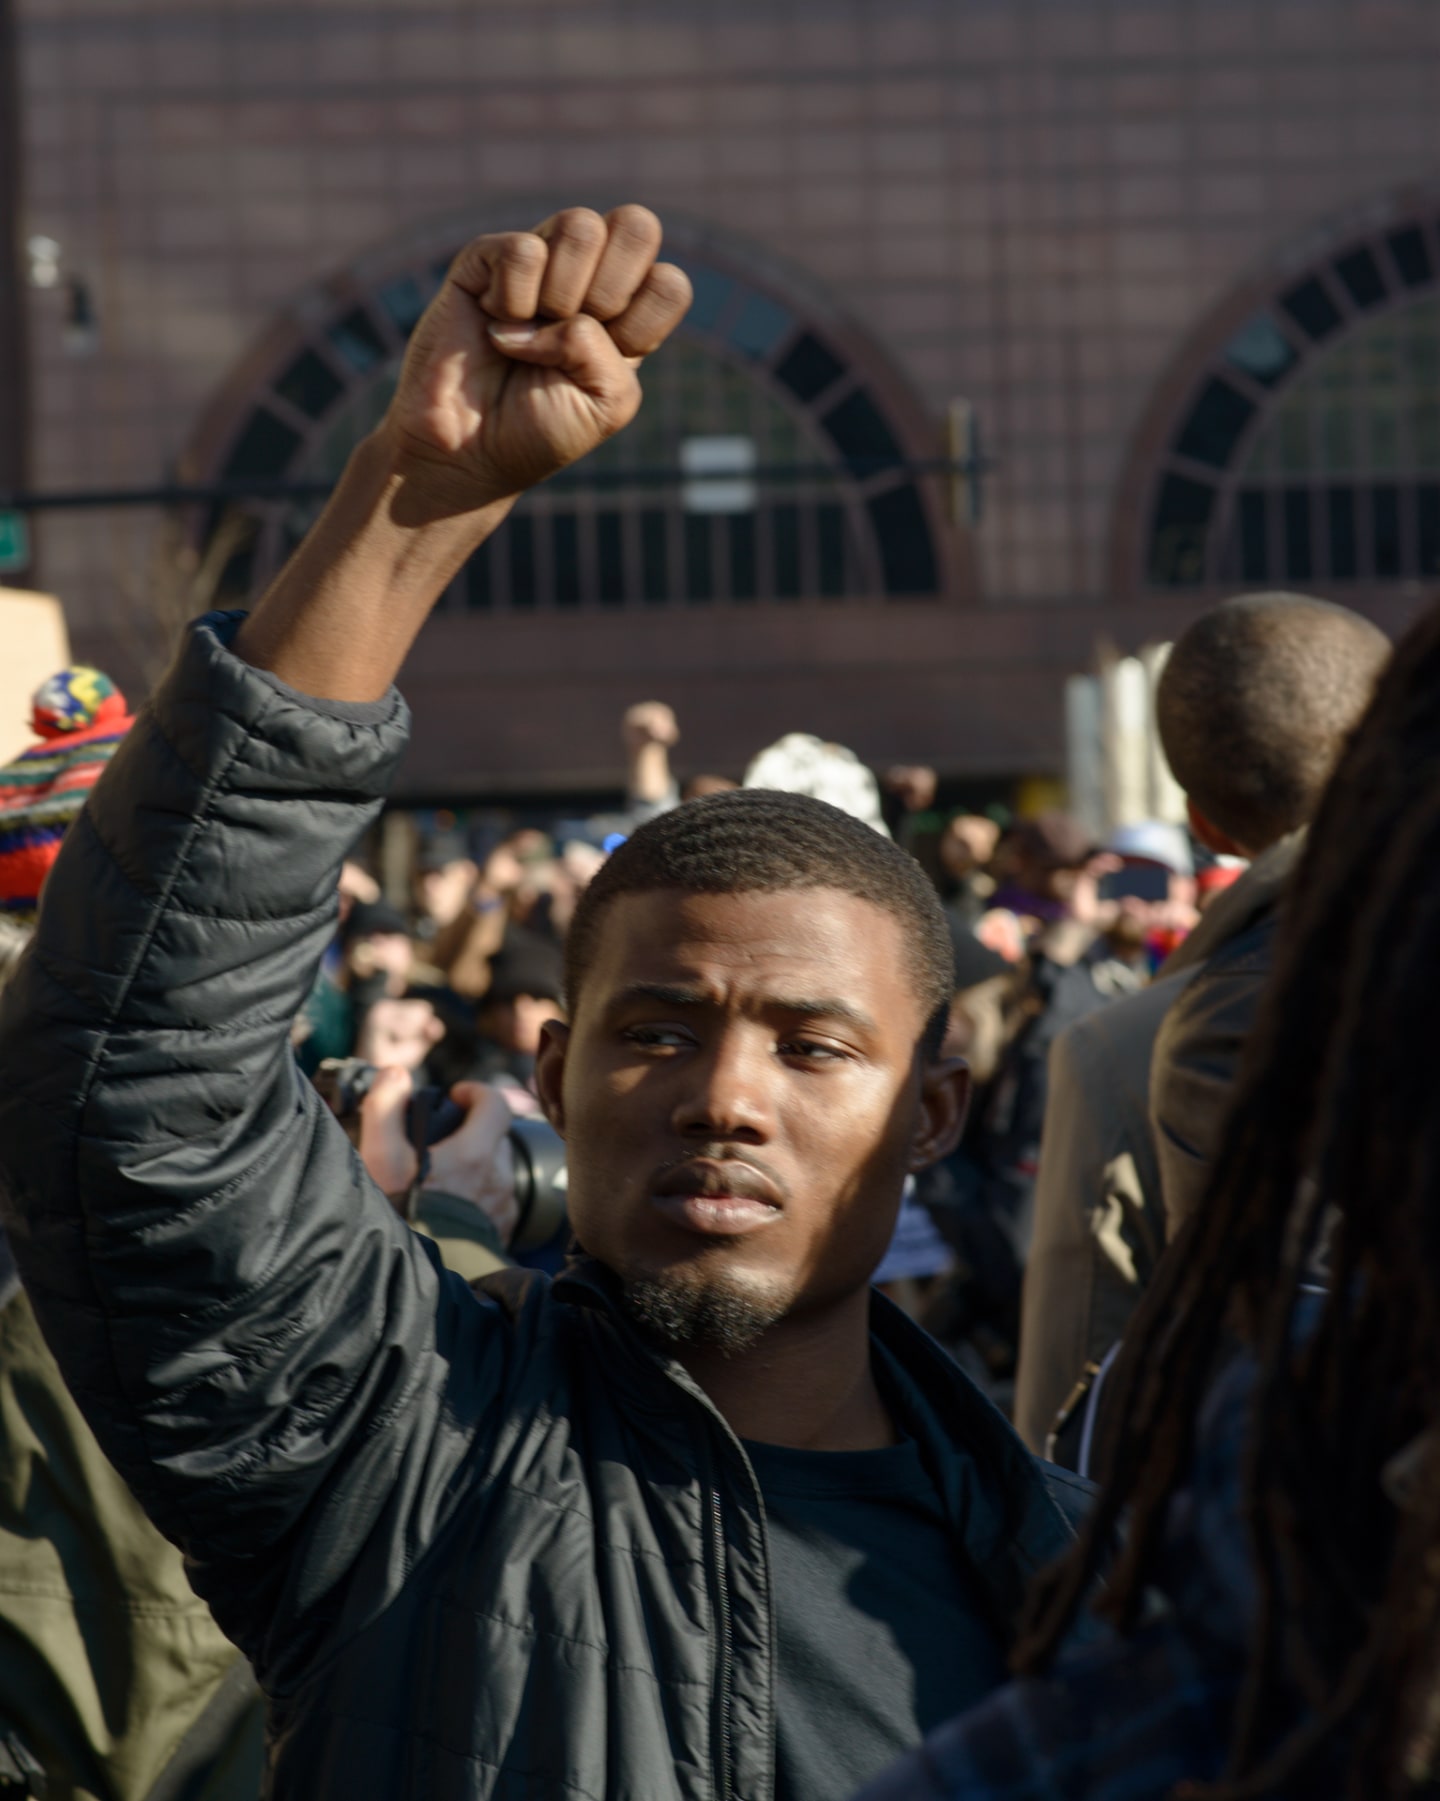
657, 1037
812, 1050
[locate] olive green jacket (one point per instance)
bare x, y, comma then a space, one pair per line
465, 1238
107, 1657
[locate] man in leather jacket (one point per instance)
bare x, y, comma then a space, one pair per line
699, 1519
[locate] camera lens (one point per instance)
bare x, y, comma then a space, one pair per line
540, 1182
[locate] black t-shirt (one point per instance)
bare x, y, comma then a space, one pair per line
880, 1635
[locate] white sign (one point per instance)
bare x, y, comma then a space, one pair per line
719, 475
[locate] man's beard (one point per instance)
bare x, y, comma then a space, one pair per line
687, 1314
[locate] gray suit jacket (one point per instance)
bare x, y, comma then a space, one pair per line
1203, 1035
1110, 1175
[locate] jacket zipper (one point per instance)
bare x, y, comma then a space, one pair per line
722, 1726
722, 1683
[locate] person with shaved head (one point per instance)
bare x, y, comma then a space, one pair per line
1255, 706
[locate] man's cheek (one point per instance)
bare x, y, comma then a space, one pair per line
595, 1142
865, 1221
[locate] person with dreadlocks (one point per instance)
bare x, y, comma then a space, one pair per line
1276, 1597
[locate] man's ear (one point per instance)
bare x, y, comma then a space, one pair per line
944, 1103
550, 1071
1211, 836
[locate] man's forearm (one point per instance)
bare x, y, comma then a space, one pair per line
650, 780
339, 619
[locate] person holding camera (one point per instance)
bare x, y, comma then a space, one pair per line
698, 1519
460, 1168
460, 1190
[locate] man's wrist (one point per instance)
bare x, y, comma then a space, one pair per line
427, 490
339, 619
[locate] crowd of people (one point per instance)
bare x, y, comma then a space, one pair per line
773, 1291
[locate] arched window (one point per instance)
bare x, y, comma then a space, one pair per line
1308, 448
775, 457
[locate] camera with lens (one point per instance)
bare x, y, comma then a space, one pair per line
537, 1149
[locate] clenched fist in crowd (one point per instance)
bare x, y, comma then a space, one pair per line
526, 359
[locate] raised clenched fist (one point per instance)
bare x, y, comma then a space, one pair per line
649, 722
527, 357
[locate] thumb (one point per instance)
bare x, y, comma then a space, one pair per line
580, 347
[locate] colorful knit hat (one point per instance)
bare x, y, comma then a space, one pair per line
80, 716
74, 700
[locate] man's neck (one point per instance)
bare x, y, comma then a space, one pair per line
808, 1384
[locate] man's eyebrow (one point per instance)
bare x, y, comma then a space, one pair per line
803, 1007
829, 1007
667, 993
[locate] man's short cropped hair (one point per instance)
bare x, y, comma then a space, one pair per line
760, 841
1256, 703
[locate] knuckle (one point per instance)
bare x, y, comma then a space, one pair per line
523, 251
582, 224
671, 285
476, 253
582, 333
635, 224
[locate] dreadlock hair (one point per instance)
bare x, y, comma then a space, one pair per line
1333, 1129
760, 841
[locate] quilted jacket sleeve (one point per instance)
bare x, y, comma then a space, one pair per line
262, 1348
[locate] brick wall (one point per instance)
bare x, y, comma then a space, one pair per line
1029, 202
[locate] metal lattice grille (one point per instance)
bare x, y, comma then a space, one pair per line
1310, 451
833, 509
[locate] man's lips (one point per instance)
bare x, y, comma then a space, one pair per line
716, 1199
715, 1216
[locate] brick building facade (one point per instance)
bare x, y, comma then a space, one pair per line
1178, 256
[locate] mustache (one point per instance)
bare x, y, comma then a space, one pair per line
718, 1169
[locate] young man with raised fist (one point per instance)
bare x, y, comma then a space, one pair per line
699, 1519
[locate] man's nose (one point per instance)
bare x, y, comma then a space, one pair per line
727, 1089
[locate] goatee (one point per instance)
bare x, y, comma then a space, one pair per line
718, 1316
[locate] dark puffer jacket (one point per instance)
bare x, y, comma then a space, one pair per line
474, 1546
